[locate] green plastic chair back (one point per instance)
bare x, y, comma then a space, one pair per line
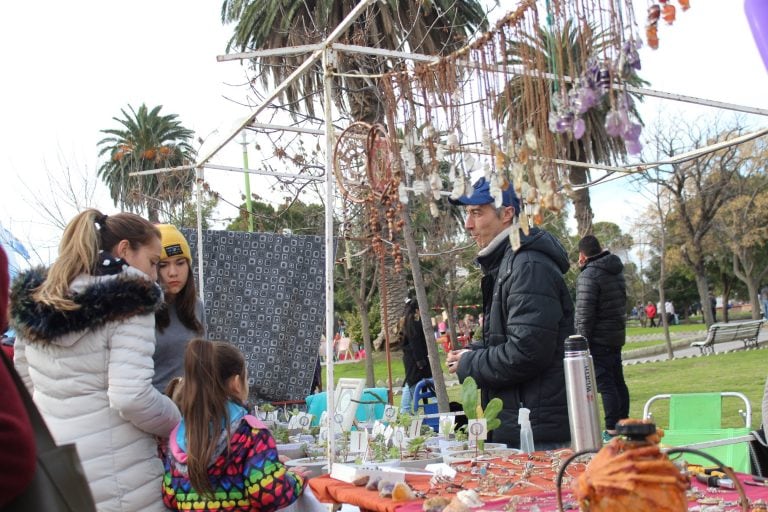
696, 418
735, 455
695, 411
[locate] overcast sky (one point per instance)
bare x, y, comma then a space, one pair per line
69, 67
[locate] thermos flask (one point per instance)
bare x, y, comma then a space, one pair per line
581, 388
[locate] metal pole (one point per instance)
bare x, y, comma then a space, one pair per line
329, 193
199, 177
247, 182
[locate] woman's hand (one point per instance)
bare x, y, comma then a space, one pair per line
301, 471
452, 359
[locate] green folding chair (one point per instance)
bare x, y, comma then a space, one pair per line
695, 420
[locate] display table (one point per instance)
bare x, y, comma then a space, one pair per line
515, 483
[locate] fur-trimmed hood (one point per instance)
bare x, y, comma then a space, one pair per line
102, 299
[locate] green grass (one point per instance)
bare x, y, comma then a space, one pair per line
742, 371
638, 331
634, 345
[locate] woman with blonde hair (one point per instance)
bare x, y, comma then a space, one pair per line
181, 317
86, 335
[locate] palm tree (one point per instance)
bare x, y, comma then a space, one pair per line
566, 52
434, 27
147, 140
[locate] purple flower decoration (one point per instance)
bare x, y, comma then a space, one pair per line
578, 128
564, 122
589, 98
633, 146
631, 57
613, 124
632, 131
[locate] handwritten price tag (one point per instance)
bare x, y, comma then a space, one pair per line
477, 429
390, 413
358, 441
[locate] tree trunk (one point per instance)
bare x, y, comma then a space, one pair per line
450, 304
421, 297
748, 277
662, 280
365, 324
726, 297
703, 287
363, 302
754, 302
581, 202
394, 299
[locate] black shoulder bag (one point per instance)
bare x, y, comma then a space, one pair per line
59, 484
758, 452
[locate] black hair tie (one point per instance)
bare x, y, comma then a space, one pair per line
101, 221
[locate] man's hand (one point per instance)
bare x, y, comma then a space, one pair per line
421, 364
452, 358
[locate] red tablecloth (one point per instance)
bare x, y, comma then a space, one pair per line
539, 490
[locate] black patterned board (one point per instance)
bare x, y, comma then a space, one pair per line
265, 293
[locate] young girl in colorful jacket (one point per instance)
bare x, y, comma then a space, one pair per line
234, 467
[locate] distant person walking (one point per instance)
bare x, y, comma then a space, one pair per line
641, 316
764, 300
650, 312
415, 358
601, 303
669, 309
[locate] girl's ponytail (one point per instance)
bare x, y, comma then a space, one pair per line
83, 238
78, 250
208, 365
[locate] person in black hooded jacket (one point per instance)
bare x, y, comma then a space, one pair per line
601, 304
528, 314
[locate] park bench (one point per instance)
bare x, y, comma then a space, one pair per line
745, 332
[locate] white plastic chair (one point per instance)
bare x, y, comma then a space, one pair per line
343, 346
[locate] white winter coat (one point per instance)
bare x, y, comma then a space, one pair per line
91, 377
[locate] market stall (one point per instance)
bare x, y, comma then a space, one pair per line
522, 119
519, 483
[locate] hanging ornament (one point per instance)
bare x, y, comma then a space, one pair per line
579, 127
495, 191
530, 139
458, 188
524, 221
435, 185
402, 193
654, 11
514, 235
452, 141
613, 123
538, 218
668, 13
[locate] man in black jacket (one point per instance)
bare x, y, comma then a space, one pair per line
528, 314
601, 308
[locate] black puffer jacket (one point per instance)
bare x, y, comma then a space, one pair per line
415, 357
528, 314
601, 301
